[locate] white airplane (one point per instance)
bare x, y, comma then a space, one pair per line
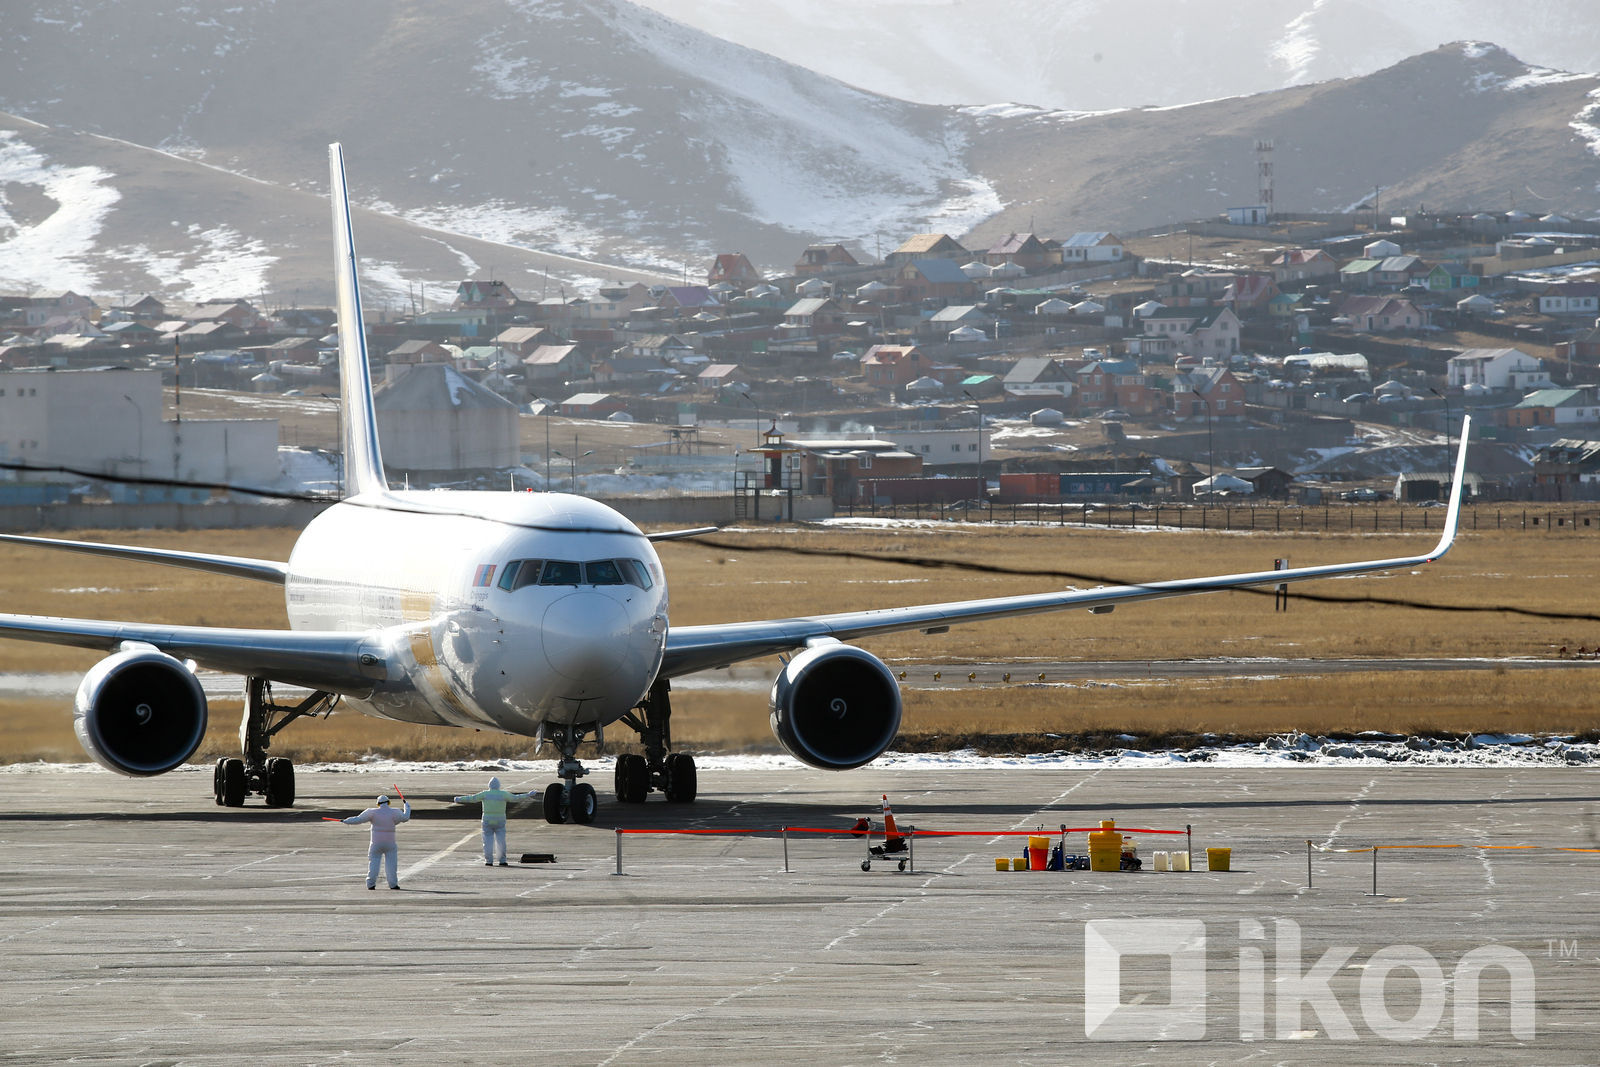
539, 614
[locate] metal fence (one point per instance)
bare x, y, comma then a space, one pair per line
1263, 518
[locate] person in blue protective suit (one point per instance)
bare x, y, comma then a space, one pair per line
383, 846
494, 800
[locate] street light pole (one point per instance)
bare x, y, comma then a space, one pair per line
757, 407
978, 408
1447, 450
574, 461
139, 424
1211, 448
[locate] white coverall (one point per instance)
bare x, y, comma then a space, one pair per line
383, 846
494, 800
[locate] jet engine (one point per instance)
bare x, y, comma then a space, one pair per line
140, 712
835, 706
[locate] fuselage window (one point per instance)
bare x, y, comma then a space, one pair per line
636, 572
603, 572
561, 572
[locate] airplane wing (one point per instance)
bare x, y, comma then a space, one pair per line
697, 648
339, 662
261, 570
676, 535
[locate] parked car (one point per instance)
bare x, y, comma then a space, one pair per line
1358, 398
1362, 494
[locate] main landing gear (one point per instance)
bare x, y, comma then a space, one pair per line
672, 774
273, 778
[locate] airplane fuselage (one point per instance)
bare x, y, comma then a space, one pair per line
498, 611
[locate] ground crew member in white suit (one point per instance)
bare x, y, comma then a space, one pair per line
494, 800
383, 846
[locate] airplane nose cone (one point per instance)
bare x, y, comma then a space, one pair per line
585, 637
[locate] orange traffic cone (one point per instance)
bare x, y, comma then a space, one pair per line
891, 836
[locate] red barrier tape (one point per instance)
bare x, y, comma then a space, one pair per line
844, 831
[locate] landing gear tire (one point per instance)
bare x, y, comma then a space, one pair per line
233, 783
552, 804
682, 780
633, 778
584, 804
216, 780
280, 783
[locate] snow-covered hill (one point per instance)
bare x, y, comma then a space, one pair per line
1094, 55
180, 149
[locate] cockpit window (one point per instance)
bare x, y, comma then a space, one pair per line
561, 572
518, 573
603, 572
636, 572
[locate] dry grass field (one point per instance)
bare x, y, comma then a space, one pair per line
753, 574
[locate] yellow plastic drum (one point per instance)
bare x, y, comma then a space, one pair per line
1105, 850
1218, 859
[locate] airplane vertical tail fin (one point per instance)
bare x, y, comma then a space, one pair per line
363, 463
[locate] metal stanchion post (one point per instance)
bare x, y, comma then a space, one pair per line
911, 844
785, 850
1308, 863
1374, 870
619, 851
1188, 836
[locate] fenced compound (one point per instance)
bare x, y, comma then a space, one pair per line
1257, 518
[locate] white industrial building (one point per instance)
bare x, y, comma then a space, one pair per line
112, 421
434, 418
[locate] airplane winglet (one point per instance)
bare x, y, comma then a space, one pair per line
362, 460
1452, 515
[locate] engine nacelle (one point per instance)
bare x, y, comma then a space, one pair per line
140, 712
835, 706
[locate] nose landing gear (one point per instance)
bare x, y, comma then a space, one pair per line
569, 798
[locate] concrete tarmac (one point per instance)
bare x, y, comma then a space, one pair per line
140, 923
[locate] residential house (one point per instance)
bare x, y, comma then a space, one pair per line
1570, 298
1192, 288
1561, 467
1509, 369
1585, 346
591, 405
1023, 249
689, 300
717, 375
304, 322
667, 347
953, 317
1447, 277
520, 341
1114, 383
1091, 247
893, 366
1250, 215
1554, 407
1301, 265
1191, 331
820, 259
927, 246
1038, 376
289, 349
1397, 272
1359, 273
1213, 391
239, 314
735, 269
550, 364
1270, 483
1249, 293
817, 316
488, 295
934, 279
617, 301
416, 352
1381, 314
